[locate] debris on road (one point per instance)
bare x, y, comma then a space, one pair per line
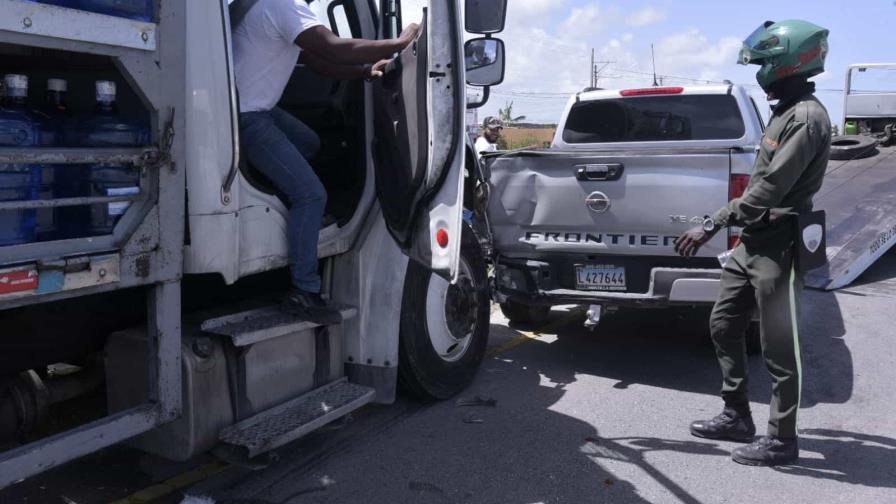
476, 401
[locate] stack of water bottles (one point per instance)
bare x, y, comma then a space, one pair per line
133, 9
55, 126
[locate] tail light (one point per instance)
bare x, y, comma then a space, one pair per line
736, 187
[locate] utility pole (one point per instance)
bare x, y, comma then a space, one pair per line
653, 59
595, 72
592, 68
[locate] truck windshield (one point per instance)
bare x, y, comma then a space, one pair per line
654, 118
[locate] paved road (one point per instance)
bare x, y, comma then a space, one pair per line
585, 417
602, 417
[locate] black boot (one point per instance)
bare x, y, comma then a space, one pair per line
768, 451
729, 424
311, 307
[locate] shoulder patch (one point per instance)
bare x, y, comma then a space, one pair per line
771, 142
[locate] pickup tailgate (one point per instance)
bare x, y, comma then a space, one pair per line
633, 202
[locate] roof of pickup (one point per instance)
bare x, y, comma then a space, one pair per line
604, 94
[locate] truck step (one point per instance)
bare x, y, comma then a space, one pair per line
253, 326
293, 419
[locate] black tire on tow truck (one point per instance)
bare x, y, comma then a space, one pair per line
848, 147
444, 328
520, 313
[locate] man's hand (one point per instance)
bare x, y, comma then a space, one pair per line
377, 70
691, 240
408, 35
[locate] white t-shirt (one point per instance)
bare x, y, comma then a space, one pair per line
483, 145
265, 52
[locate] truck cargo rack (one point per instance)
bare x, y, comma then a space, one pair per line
145, 249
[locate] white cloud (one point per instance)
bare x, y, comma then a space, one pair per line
646, 16
692, 51
585, 22
526, 8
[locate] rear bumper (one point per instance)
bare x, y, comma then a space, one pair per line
528, 282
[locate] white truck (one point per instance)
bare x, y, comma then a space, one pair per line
591, 220
171, 305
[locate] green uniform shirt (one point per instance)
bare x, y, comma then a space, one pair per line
788, 171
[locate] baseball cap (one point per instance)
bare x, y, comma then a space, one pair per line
492, 122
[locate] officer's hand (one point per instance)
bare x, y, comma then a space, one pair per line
691, 240
409, 34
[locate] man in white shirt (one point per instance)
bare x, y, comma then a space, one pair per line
491, 131
269, 37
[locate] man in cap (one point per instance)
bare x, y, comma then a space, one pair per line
491, 132
760, 272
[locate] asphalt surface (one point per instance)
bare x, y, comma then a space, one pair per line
580, 417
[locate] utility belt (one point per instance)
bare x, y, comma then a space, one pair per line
802, 231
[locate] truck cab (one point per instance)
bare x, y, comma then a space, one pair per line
172, 305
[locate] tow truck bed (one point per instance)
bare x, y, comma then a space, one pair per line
858, 198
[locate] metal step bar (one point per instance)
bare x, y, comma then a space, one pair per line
293, 419
254, 326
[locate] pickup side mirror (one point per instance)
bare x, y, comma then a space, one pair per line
485, 16
484, 61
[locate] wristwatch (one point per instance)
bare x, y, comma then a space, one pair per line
709, 225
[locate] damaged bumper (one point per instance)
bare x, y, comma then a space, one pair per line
545, 283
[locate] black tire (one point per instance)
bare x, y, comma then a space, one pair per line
519, 313
846, 147
422, 372
754, 341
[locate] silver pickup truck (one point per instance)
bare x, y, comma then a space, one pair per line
592, 219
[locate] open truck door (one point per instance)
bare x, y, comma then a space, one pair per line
418, 146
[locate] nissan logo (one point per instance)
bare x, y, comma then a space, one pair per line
598, 202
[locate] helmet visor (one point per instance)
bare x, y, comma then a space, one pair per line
760, 45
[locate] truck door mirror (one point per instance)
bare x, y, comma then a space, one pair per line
484, 61
484, 16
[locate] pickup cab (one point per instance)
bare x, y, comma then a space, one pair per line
592, 219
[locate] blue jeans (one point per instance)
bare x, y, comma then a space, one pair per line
279, 146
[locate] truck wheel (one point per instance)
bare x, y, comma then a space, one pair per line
525, 314
754, 343
847, 147
444, 327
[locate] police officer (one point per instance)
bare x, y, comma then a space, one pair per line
760, 273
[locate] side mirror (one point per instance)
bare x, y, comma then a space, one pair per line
485, 16
484, 61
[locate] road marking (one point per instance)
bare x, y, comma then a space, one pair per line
174, 484
526, 336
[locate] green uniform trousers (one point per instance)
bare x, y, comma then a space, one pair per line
764, 279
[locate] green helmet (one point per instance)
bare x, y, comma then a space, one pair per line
785, 49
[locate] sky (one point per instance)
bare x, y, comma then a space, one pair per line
549, 42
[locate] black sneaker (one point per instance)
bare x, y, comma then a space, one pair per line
726, 425
311, 307
768, 451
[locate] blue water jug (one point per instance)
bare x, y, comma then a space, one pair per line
18, 182
63, 180
133, 9
106, 128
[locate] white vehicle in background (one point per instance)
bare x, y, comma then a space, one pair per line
177, 297
592, 219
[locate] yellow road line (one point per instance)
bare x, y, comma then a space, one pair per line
174, 484
526, 336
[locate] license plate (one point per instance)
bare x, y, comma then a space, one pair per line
601, 277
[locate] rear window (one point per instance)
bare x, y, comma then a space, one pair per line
654, 118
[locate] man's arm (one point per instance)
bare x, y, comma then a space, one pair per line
325, 44
327, 68
795, 151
